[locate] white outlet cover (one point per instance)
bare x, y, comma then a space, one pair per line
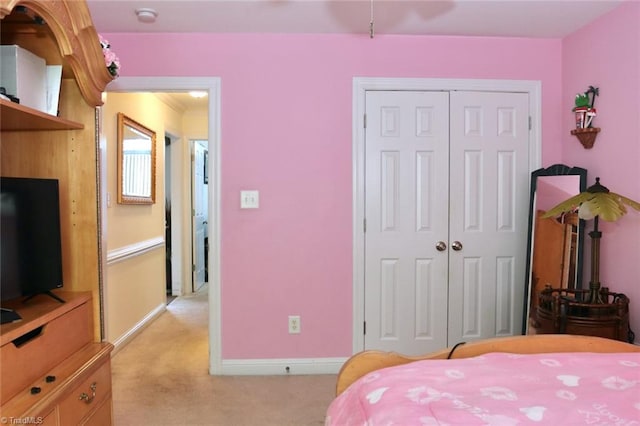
249, 199
294, 324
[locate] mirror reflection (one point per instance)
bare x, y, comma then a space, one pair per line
555, 244
136, 162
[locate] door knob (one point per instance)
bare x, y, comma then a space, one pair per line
441, 246
457, 245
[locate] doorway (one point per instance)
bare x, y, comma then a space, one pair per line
425, 328
212, 86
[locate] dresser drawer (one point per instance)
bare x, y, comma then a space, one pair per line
35, 352
102, 416
50, 419
87, 397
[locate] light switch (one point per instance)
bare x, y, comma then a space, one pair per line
249, 199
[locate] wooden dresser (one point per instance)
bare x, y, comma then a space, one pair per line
52, 371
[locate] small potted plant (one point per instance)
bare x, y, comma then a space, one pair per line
585, 113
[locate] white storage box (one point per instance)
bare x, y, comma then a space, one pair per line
24, 75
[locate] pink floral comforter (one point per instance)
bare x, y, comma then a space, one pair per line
497, 389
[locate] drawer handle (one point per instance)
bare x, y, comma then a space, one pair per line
85, 397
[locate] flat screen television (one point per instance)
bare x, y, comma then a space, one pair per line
30, 237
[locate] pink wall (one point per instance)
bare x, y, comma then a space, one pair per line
606, 54
286, 131
552, 190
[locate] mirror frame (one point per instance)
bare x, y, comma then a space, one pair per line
123, 122
555, 170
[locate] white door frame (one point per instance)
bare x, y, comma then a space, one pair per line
212, 85
360, 86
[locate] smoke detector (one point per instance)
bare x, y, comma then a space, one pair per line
146, 15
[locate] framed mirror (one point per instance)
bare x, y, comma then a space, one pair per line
136, 162
555, 245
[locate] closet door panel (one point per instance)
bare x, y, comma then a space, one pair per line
406, 210
489, 161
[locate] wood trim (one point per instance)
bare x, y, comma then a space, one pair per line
77, 40
14, 116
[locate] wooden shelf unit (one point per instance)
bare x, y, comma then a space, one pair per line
36, 144
55, 367
15, 117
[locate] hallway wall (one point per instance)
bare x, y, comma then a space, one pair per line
135, 274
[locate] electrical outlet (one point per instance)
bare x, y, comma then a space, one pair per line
294, 324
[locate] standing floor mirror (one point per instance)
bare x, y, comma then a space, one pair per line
555, 245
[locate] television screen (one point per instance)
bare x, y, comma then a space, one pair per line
30, 237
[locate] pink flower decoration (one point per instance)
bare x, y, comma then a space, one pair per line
110, 59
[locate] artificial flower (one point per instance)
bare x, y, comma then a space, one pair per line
110, 59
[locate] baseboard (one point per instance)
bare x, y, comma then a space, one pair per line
272, 367
122, 341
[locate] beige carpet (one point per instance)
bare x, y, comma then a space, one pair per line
161, 378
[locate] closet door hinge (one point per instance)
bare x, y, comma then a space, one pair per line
530, 123
364, 225
364, 121
364, 327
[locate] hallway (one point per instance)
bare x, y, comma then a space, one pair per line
161, 378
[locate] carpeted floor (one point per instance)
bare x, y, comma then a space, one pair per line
161, 378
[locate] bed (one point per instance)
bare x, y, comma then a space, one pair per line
536, 379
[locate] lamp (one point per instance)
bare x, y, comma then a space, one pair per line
594, 203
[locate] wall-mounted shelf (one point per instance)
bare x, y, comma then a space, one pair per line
586, 136
14, 117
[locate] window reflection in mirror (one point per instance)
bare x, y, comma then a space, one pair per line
136, 162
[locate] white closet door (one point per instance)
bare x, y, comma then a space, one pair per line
406, 210
451, 168
488, 209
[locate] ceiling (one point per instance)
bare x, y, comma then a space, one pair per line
505, 18
182, 101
